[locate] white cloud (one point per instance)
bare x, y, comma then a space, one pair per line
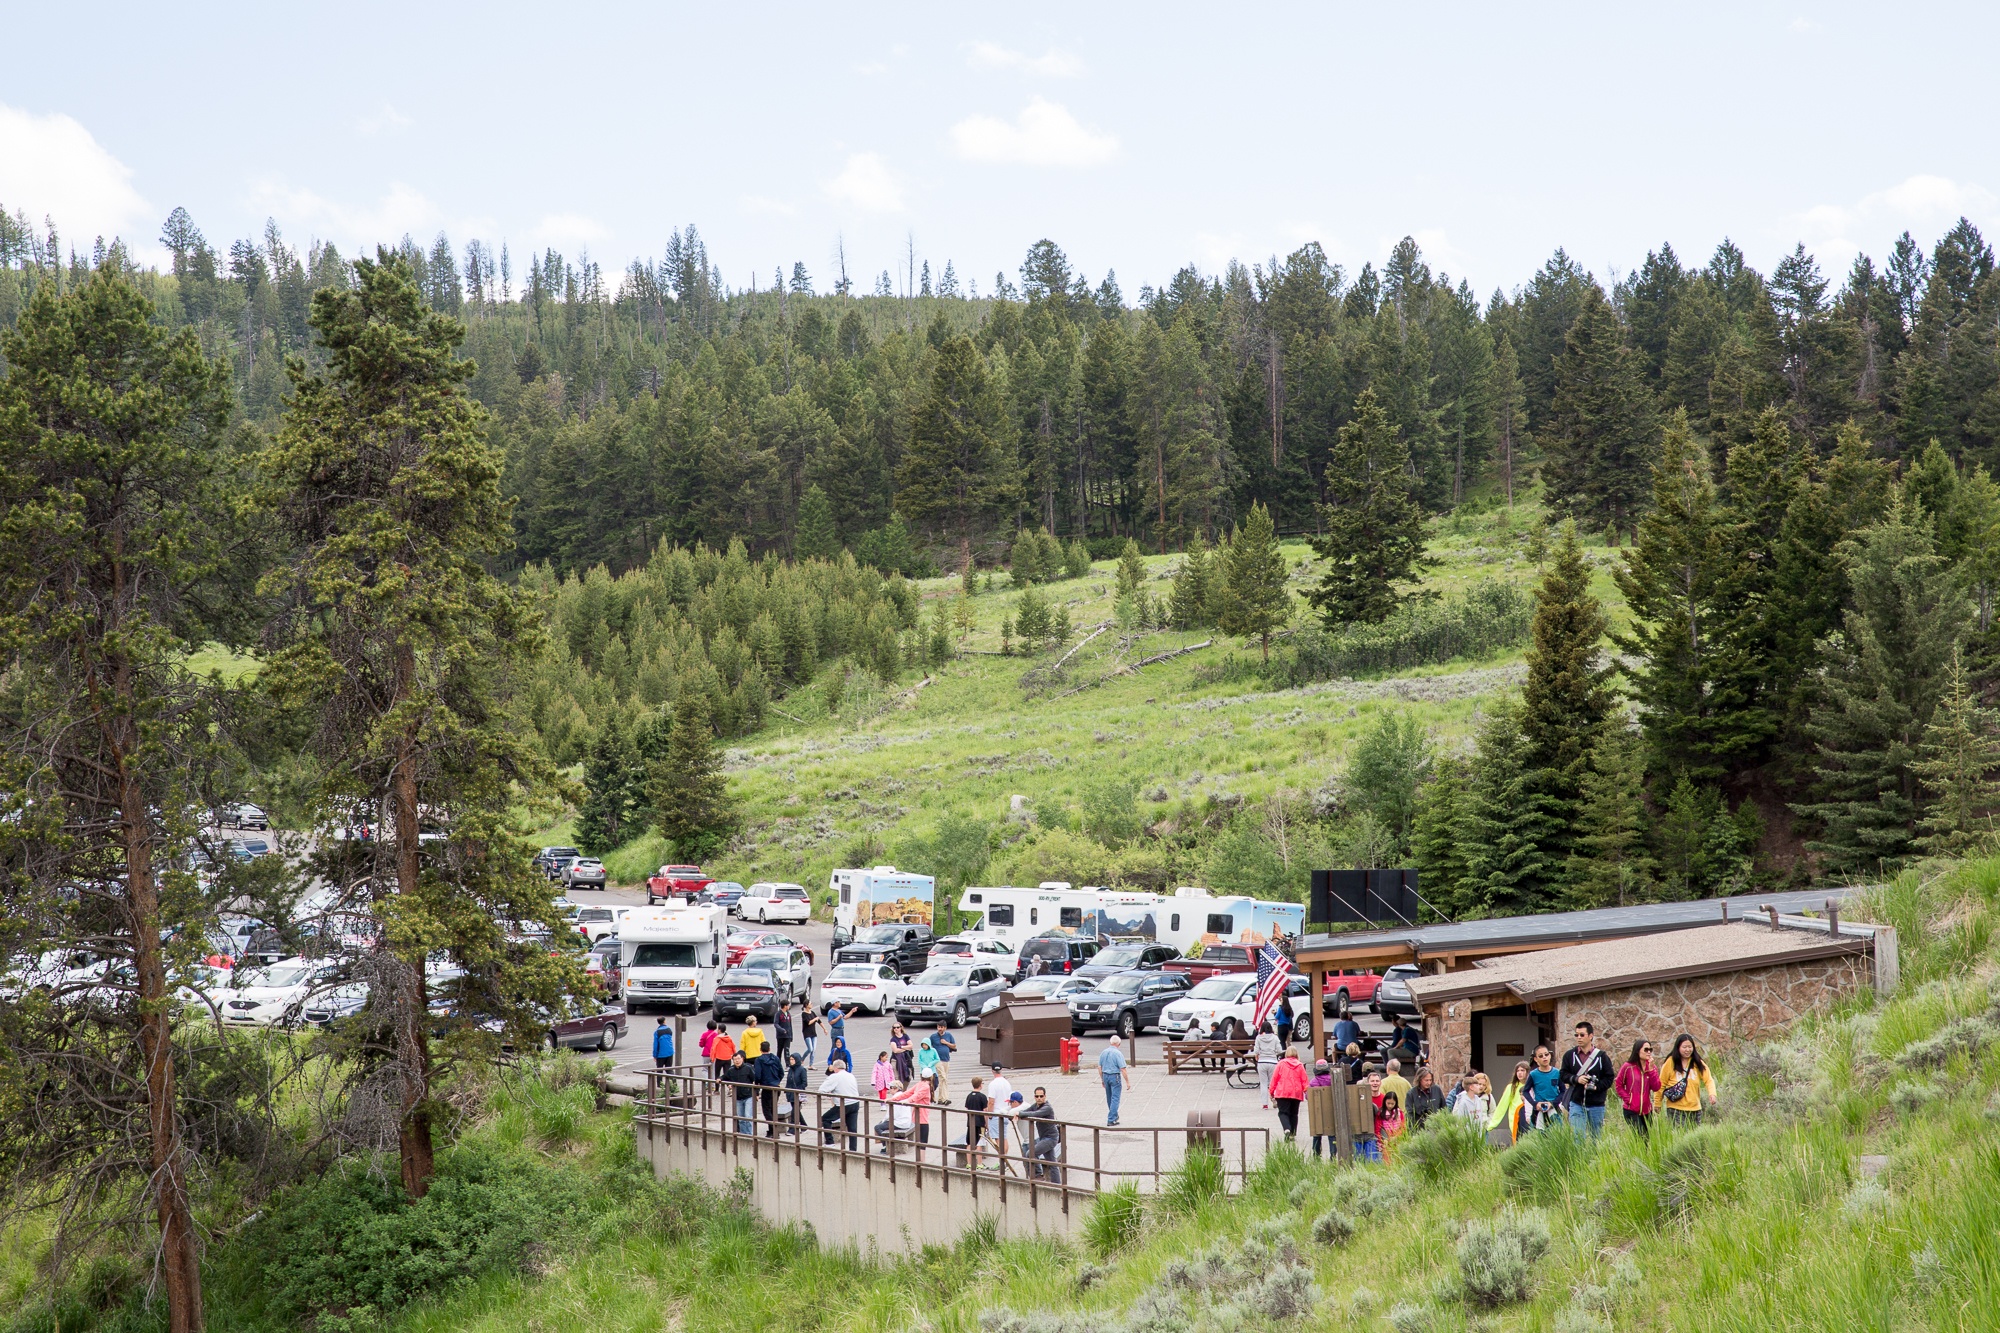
867, 183
1051, 64
1921, 205
51, 166
1043, 135
566, 231
871, 69
383, 120
357, 229
760, 204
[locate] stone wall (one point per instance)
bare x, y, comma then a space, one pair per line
1448, 1034
1718, 1011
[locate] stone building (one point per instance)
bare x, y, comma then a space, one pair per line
1723, 984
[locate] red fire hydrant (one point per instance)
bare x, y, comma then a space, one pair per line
1072, 1054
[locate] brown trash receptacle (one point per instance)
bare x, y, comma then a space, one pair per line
1023, 1034
1205, 1128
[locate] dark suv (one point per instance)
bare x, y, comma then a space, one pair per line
1058, 954
1115, 958
903, 946
1126, 1002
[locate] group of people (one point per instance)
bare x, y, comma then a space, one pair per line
1544, 1092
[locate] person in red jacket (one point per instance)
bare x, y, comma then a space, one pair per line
1288, 1089
1638, 1085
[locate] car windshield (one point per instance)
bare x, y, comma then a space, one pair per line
1122, 955
952, 946
1039, 985
665, 955
852, 972
880, 935
1044, 949
775, 960
286, 974
562, 851
1217, 988
747, 976
943, 976
1120, 985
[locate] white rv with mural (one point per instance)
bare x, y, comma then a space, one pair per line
1188, 917
879, 896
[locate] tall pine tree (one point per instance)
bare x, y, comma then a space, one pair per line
818, 536
1959, 766
1601, 431
957, 475
688, 792
1253, 578
1372, 529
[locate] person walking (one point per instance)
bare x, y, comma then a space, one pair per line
1047, 1145
1503, 1123
1426, 1098
901, 1051
751, 1043
1638, 1087
663, 1045
795, 1083
1476, 1102
782, 1026
1281, 1022
917, 1094
836, 1021
883, 1076
1322, 1077
705, 1043
722, 1050
1288, 1088
1267, 1049
1116, 1075
770, 1077
1587, 1079
1388, 1124
1367, 1141
946, 1046
839, 1084
1544, 1090
1684, 1075
810, 1024
742, 1081
998, 1093
975, 1124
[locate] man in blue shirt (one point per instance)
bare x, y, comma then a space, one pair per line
944, 1044
1116, 1074
663, 1046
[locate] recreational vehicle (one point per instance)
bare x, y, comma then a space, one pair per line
672, 957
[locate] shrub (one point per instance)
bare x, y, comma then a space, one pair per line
1365, 1191
1445, 1146
1199, 1178
1333, 1228
1114, 1218
1548, 1165
1481, 620
1497, 1257
1281, 1291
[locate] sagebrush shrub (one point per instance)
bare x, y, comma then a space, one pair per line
1333, 1227
1443, 1147
1497, 1256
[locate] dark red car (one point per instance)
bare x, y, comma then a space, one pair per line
743, 941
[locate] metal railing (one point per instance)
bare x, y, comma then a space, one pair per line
937, 1146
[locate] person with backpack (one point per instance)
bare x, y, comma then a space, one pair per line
1288, 1088
663, 1045
1544, 1090
770, 1077
1267, 1049
1684, 1076
1638, 1086
1586, 1077
722, 1050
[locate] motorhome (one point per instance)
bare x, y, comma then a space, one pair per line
671, 957
1016, 915
1194, 916
879, 896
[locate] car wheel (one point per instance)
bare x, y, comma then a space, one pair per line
1340, 999
609, 1038
1128, 1024
555, 1043
958, 1014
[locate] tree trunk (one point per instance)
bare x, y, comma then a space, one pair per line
413, 1051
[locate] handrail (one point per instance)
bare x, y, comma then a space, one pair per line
1066, 1157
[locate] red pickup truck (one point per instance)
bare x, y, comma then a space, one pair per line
675, 882
1357, 984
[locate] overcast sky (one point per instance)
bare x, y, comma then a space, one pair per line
1138, 137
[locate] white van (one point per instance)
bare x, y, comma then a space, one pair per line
672, 957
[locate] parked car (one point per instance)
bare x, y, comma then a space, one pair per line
1352, 986
978, 948
790, 964
274, 995
249, 849
873, 986
953, 992
1059, 953
903, 945
594, 923
1128, 1002
243, 815
677, 882
1115, 958
1216, 960
741, 942
602, 963
600, 1030
552, 859
775, 902
1392, 997
1220, 998
1039, 988
726, 894
747, 990
586, 872
334, 1007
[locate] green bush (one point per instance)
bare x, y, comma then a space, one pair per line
1114, 1218
1199, 1178
1549, 1164
1333, 1228
1479, 621
1445, 1146
1497, 1257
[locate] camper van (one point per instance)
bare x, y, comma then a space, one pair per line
672, 957
1015, 915
881, 896
1194, 916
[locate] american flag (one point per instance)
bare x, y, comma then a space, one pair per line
1274, 973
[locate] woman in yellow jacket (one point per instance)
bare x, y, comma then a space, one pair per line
1682, 1079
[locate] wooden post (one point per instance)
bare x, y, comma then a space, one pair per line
1316, 971
680, 1038
1343, 1122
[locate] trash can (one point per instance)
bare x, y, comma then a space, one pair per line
1023, 1034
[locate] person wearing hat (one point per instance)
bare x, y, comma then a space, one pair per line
1322, 1077
998, 1089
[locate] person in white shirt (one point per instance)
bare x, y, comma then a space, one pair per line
1476, 1102
998, 1090
841, 1084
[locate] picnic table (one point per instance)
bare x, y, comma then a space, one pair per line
1232, 1059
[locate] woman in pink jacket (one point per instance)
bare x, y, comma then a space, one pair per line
1288, 1089
1637, 1086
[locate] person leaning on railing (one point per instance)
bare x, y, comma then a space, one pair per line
840, 1084
1047, 1145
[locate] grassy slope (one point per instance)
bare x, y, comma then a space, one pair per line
896, 760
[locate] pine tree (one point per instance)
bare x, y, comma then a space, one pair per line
1883, 678
1024, 561
1031, 616
1189, 606
1601, 432
1076, 559
938, 649
817, 539
1131, 568
1372, 528
1437, 833
1253, 573
1060, 630
688, 792
1565, 699
1959, 767
1613, 866
1510, 410
956, 473
395, 635
1510, 823
964, 616
613, 794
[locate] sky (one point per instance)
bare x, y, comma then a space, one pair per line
1139, 137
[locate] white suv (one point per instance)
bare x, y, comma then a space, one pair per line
1220, 998
775, 902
